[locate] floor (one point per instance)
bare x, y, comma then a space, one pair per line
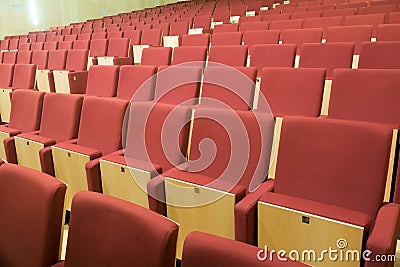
65, 237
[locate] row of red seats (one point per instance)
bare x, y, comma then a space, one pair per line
147, 238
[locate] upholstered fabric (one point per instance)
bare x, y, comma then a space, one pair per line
39, 58
342, 12
292, 92
223, 54
102, 81
60, 116
272, 55
379, 55
329, 56
226, 28
251, 38
134, 36
202, 21
179, 28
137, 236
6, 74
148, 127
118, 47
286, 24
26, 110
136, 82
306, 15
226, 38
254, 26
328, 161
196, 40
323, 22
366, 95
201, 249
57, 59
24, 56
67, 45
184, 54
9, 57
300, 36
77, 60
156, 56
98, 47
151, 37
368, 19
236, 92
178, 85
31, 217
101, 124
24, 76
355, 34
388, 32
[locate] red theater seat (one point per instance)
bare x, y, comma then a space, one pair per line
30, 194
355, 34
379, 55
272, 55
226, 38
196, 40
254, 26
223, 54
190, 54
261, 37
156, 56
388, 32
140, 237
102, 81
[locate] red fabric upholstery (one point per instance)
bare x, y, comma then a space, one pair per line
24, 57
226, 38
318, 169
144, 136
388, 32
254, 26
151, 37
26, 110
323, 22
196, 40
178, 85
10, 57
6, 75
100, 35
202, 22
131, 78
226, 28
370, 19
394, 17
37, 46
40, 59
65, 45
246, 213
329, 56
36, 200
237, 92
98, 47
24, 76
134, 36
179, 28
46, 161
46, 141
163, 26
383, 238
355, 34
223, 55
57, 59
378, 9
118, 47
153, 168
186, 54
81, 44
322, 7
77, 60
102, 81
379, 55
300, 36
306, 15
286, 24
156, 56
201, 249
272, 55
356, 5
279, 17
343, 12
260, 37
293, 92
366, 95
138, 236
101, 124
60, 116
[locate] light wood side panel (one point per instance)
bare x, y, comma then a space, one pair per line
5, 105
42, 81
198, 208
275, 147
389, 177
2, 150
61, 82
280, 228
326, 97
125, 182
28, 153
70, 168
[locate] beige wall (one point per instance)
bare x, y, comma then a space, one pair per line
46, 13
